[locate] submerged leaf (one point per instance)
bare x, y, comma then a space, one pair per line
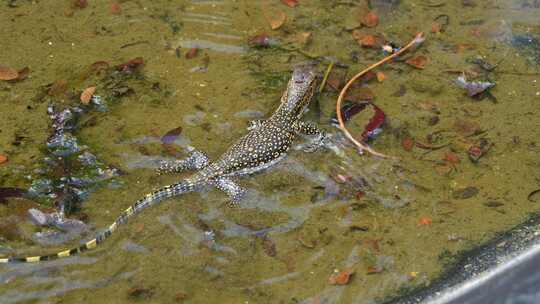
475, 87
370, 19
418, 62
8, 73
171, 136
290, 3
87, 94
277, 21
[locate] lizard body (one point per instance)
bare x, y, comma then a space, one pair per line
265, 144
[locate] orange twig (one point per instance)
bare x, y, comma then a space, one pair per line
419, 38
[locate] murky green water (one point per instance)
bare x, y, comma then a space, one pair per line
300, 222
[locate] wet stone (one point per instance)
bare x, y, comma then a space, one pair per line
465, 193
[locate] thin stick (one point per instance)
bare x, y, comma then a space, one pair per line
419, 38
325, 78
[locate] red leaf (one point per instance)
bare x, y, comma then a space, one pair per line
290, 3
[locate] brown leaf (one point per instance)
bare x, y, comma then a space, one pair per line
80, 4
3, 158
467, 128
436, 28
23, 74
368, 41
374, 270
360, 94
290, 3
304, 37
58, 88
87, 94
418, 62
276, 21
425, 221
370, 19
115, 8
341, 278
7, 73
407, 144
192, 53
380, 76
451, 158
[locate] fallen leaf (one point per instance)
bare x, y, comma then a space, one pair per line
192, 53
370, 19
341, 278
130, 65
87, 94
365, 40
290, 3
115, 8
80, 3
467, 128
418, 62
360, 94
58, 88
276, 21
407, 144
171, 136
374, 270
425, 221
368, 41
436, 28
23, 74
3, 158
452, 158
304, 37
7, 73
380, 76
261, 41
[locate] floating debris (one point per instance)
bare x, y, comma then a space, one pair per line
473, 88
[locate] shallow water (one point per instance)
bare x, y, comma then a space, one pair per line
300, 222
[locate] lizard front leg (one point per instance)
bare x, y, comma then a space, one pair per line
196, 161
309, 128
232, 189
254, 124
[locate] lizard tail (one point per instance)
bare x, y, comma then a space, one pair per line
149, 200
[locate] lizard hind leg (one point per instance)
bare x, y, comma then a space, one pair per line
196, 161
232, 189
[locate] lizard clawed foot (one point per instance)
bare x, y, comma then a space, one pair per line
319, 141
233, 190
196, 161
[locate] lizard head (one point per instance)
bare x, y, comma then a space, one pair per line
300, 90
